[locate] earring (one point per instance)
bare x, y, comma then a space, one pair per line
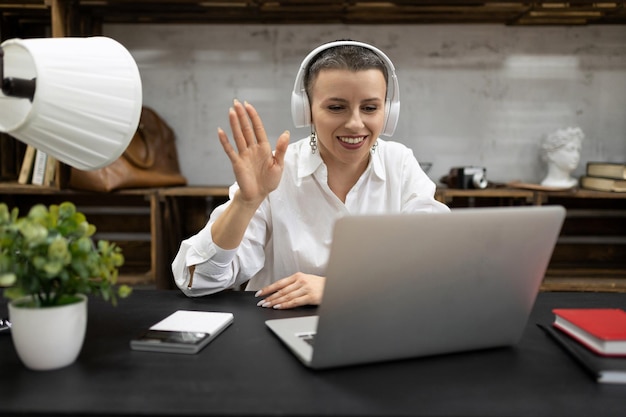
313, 142
373, 148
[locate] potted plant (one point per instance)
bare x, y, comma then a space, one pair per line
49, 264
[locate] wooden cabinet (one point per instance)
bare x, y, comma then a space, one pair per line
591, 251
148, 224
590, 254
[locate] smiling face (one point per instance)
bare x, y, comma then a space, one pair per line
348, 114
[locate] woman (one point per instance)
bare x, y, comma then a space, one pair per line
276, 229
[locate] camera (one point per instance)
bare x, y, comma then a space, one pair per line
468, 178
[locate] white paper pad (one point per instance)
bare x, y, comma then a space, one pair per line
194, 321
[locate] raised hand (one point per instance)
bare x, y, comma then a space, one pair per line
257, 170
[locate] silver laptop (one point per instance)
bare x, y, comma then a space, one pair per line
404, 286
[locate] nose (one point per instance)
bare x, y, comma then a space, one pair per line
355, 122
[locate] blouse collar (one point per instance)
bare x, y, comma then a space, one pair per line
311, 162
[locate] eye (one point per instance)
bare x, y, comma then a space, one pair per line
370, 108
335, 107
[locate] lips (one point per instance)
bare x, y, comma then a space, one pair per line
352, 140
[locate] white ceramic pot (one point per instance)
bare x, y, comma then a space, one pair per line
50, 337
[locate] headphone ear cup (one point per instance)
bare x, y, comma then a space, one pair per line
300, 109
392, 112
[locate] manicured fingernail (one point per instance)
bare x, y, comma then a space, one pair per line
266, 304
260, 303
258, 293
276, 307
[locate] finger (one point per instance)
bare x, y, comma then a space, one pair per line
228, 148
295, 302
274, 287
244, 124
296, 298
286, 294
285, 300
281, 147
257, 123
235, 127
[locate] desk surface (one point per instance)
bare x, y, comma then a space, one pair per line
247, 371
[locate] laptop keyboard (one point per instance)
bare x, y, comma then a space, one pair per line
307, 337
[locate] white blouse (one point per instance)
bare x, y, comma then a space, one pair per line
292, 229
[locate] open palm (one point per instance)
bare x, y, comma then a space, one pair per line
257, 169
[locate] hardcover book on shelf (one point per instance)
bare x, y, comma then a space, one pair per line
39, 168
605, 369
603, 184
616, 170
49, 173
27, 165
602, 330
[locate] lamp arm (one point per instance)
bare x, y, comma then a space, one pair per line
16, 87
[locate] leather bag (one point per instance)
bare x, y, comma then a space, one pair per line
150, 160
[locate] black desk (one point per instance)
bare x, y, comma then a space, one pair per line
246, 371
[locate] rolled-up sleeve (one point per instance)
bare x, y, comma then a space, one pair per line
214, 268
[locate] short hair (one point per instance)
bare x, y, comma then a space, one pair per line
350, 57
560, 138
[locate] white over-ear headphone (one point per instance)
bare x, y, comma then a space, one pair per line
301, 109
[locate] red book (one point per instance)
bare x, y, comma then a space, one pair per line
603, 330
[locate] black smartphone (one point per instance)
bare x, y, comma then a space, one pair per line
170, 341
183, 331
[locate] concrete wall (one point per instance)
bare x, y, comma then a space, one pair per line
471, 94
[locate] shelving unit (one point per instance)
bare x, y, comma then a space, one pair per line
148, 224
590, 254
90, 12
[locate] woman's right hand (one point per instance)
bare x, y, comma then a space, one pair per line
257, 170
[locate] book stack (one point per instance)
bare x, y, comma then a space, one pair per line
596, 338
605, 176
38, 168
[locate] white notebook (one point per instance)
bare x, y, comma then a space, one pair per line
183, 331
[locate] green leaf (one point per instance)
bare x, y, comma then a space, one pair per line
49, 254
7, 279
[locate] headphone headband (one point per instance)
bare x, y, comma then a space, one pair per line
301, 109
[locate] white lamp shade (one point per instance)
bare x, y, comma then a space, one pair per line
87, 101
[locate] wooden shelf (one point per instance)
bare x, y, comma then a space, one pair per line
590, 254
448, 195
587, 283
80, 13
147, 223
444, 194
194, 191
15, 188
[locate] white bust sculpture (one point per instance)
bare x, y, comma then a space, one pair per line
561, 151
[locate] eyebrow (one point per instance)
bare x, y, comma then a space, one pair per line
367, 100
